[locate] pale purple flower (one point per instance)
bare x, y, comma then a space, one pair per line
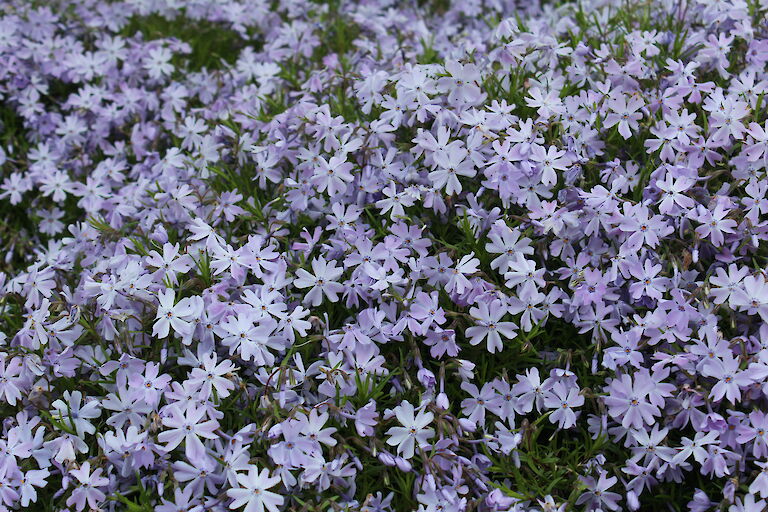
174, 315
322, 281
73, 412
413, 432
562, 399
87, 490
187, 425
253, 491
489, 325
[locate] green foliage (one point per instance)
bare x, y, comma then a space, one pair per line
212, 44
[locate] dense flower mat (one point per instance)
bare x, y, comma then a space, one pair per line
383, 256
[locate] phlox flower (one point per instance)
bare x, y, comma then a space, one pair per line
87, 490
71, 411
171, 314
627, 400
213, 376
322, 281
170, 264
28, 482
451, 164
189, 426
562, 399
333, 174
413, 432
714, 224
748, 504
624, 113
252, 491
730, 379
489, 325
597, 495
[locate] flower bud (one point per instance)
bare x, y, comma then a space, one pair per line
403, 465
386, 458
467, 425
426, 378
442, 401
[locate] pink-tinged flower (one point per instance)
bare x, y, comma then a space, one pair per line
88, 487
489, 325
414, 430
253, 491
189, 426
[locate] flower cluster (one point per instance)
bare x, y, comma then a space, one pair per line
378, 256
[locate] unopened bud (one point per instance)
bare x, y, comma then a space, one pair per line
387, 459
467, 425
403, 465
426, 378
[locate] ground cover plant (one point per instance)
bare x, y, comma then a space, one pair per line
383, 256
